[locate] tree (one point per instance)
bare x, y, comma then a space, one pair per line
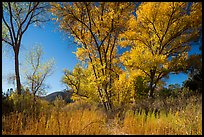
160, 37
36, 72
73, 79
78, 81
16, 18
81, 80
124, 90
194, 81
95, 28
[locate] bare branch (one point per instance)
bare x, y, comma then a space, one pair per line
7, 41
11, 21
8, 27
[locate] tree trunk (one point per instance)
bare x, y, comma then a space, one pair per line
151, 90
151, 87
18, 82
108, 98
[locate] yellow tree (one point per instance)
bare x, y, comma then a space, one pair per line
81, 81
74, 79
160, 37
95, 27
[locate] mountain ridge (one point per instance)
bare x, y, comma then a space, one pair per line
65, 94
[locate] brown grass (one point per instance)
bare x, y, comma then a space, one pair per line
82, 120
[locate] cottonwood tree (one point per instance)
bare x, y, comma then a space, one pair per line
160, 37
95, 27
76, 80
16, 19
80, 80
73, 79
194, 81
36, 72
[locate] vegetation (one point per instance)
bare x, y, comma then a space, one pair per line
159, 37
184, 117
95, 28
111, 92
36, 72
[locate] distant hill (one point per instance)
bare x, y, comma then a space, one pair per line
66, 95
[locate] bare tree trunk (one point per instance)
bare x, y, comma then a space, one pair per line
18, 81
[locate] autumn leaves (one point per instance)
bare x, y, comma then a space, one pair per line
159, 37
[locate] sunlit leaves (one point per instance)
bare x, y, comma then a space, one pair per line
160, 37
83, 83
95, 28
123, 90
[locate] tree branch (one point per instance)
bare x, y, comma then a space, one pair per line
7, 42
11, 22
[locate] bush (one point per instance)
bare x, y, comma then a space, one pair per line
7, 105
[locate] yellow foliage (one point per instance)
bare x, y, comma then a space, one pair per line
123, 89
95, 28
160, 31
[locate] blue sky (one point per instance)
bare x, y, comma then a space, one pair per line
55, 45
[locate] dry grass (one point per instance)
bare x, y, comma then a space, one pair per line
81, 120
58, 123
187, 121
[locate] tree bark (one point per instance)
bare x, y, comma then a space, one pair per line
18, 81
151, 87
151, 90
